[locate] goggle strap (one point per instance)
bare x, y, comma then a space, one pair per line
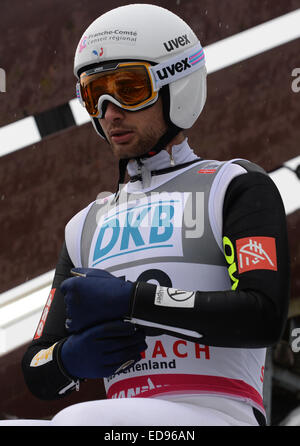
170, 70
178, 66
78, 94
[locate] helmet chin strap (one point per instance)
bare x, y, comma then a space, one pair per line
163, 141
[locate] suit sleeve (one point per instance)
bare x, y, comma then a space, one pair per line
42, 370
253, 312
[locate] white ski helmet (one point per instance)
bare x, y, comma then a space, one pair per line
156, 35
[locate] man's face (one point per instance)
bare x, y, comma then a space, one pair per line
132, 134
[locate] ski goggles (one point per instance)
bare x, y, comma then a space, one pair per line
133, 85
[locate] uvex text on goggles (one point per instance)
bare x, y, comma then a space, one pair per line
134, 85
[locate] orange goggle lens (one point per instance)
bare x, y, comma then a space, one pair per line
129, 84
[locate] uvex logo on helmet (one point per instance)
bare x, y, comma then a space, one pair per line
171, 70
176, 43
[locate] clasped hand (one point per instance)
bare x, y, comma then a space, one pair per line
93, 296
101, 343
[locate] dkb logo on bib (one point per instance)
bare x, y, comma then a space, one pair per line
145, 228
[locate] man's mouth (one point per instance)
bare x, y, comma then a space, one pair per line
121, 136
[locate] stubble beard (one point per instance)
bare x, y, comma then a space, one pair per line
141, 145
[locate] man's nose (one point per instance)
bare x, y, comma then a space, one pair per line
113, 112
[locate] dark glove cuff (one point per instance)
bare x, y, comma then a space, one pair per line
69, 379
142, 294
129, 315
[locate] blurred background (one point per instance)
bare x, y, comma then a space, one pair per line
52, 163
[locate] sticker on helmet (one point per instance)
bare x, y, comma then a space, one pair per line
174, 44
82, 44
127, 37
98, 53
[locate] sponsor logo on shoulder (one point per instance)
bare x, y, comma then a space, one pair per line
209, 168
256, 253
206, 171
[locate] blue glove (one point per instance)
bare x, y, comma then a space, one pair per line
94, 296
102, 350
